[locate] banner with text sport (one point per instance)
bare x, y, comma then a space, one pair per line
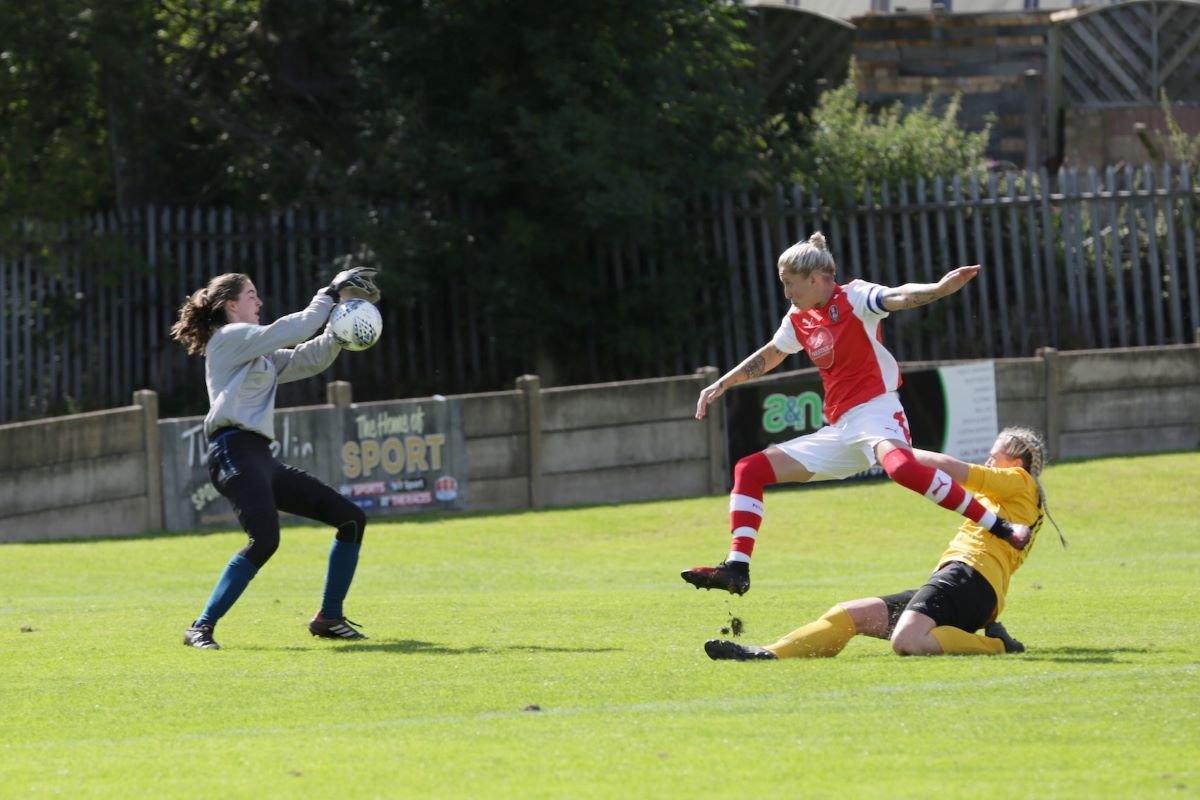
389, 458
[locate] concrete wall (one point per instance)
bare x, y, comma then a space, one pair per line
496, 429
634, 440
601, 443
1092, 403
1132, 400
87, 475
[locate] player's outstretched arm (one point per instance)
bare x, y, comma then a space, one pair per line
911, 295
760, 362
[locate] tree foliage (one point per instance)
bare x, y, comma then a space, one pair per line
565, 125
614, 108
1181, 146
491, 142
53, 143
851, 145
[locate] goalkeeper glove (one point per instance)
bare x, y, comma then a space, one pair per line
355, 283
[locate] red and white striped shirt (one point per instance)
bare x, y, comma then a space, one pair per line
845, 342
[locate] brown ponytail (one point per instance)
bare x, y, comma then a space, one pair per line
204, 311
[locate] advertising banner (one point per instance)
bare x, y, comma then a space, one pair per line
950, 409
389, 458
403, 457
189, 498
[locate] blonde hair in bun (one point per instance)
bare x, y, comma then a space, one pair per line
805, 258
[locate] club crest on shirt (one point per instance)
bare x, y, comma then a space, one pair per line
819, 346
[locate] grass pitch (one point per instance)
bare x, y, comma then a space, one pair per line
558, 654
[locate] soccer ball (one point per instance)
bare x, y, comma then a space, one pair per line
355, 324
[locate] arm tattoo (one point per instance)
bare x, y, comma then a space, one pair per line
910, 297
754, 366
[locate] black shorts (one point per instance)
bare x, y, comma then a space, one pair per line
258, 486
955, 595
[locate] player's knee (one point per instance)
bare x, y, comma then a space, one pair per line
260, 550
353, 529
903, 645
906, 641
903, 468
901, 465
754, 470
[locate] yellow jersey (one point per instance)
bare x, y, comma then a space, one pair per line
1010, 493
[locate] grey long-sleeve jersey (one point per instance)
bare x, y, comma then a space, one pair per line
244, 364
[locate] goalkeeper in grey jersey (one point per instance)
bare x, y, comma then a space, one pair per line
244, 364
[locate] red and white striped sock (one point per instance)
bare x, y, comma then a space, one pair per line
933, 484
750, 476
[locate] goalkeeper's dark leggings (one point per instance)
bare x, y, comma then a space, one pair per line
258, 486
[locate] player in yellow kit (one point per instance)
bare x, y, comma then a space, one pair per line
965, 593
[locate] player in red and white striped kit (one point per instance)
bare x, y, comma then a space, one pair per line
838, 326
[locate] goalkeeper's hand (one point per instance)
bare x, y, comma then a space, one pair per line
355, 283
1021, 534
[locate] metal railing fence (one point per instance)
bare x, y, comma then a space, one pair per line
1071, 260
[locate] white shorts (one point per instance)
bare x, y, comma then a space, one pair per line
848, 447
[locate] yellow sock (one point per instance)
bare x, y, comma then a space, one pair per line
956, 641
823, 638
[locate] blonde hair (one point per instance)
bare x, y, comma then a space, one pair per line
1028, 445
204, 311
805, 258
1025, 444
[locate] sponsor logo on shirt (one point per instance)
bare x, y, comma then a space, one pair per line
819, 346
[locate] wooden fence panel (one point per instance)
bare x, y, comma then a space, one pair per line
1126, 54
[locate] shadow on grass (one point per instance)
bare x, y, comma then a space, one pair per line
418, 647
1092, 655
